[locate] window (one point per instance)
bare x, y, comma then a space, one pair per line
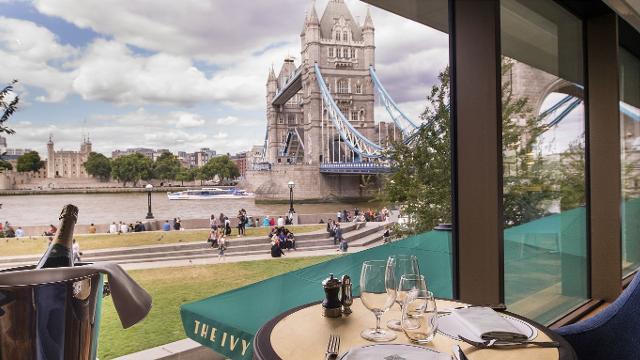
345, 37
331, 52
354, 115
343, 86
545, 221
348, 53
337, 35
358, 88
630, 145
339, 52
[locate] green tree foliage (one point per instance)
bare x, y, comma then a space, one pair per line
8, 105
221, 166
132, 168
527, 185
29, 162
421, 180
186, 175
5, 165
166, 167
572, 171
99, 166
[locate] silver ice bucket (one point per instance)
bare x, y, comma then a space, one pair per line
51, 321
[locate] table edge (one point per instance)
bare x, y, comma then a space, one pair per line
262, 349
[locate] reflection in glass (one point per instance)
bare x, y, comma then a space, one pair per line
630, 146
543, 156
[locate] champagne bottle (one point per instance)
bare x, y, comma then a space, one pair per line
60, 252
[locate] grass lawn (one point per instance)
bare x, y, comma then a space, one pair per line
37, 245
171, 287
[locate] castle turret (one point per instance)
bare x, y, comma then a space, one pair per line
50, 158
368, 35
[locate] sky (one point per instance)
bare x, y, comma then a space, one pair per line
180, 75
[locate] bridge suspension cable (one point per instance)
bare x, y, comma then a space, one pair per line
357, 142
402, 121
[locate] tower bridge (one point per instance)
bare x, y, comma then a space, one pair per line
321, 127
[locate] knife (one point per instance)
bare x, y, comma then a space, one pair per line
458, 353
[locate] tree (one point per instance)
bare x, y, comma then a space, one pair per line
221, 166
29, 162
421, 180
166, 167
7, 106
132, 168
186, 175
99, 166
5, 165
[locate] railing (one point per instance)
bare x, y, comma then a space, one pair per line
355, 168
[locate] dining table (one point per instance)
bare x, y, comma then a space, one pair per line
303, 333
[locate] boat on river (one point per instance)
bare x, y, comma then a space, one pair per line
209, 193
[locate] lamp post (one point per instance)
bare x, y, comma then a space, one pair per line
291, 185
149, 187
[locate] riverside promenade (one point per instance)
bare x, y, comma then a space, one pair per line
182, 248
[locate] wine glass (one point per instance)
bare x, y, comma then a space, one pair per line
402, 265
377, 292
419, 316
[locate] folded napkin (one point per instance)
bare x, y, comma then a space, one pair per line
131, 301
487, 324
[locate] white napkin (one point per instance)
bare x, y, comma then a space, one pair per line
487, 324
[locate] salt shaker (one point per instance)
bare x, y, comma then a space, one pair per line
346, 297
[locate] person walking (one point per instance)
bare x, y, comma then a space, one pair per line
76, 251
222, 246
337, 237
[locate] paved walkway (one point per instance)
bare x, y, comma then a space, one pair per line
229, 259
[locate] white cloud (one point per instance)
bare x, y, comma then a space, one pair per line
221, 135
28, 52
227, 120
188, 120
214, 31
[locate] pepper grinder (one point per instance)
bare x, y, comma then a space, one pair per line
346, 297
331, 305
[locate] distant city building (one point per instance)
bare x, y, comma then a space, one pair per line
159, 152
65, 163
201, 157
144, 151
14, 154
241, 162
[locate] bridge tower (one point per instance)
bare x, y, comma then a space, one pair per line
344, 50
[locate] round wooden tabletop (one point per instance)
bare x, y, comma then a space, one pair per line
302, 333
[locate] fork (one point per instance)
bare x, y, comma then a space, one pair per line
506, 344
333, 347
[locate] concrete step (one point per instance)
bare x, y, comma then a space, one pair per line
319, 240
111, 253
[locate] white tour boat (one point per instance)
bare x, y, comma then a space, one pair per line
209, 193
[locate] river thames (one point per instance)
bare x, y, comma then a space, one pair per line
26, 210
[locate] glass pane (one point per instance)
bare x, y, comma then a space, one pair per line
630, 142
543, 154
